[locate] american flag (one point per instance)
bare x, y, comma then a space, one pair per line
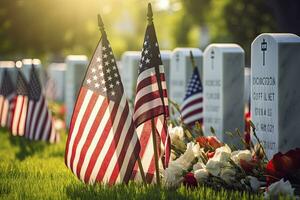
20, 103
102, 144
192, 106
151, 102
39, 122
7, 94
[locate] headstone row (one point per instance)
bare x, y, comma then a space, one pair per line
271, 85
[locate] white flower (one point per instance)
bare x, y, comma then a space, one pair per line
172, 176
189, 155
279, 188
219, 161
222, 154
227, 174
176, 133
237, 156
214, 167
254, 183
198, 165
201, 175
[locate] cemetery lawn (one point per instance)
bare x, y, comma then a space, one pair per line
36, 170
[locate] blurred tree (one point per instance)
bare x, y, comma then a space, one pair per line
247, 19
238, 21
199, 12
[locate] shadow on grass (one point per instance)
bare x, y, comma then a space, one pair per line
26, 147
130, 191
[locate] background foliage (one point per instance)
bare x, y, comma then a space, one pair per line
53, 29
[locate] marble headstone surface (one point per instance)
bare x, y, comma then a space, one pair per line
166, 60
129, 71
76, 66
10, 66
56, 81
223, 85
181, 70
275, 93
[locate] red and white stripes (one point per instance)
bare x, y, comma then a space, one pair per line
102, 143
39, 122
20, 103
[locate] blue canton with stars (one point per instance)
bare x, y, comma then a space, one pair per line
103, 75
150, 52
194, 85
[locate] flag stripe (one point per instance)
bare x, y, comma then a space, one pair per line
83, 168
79, 103
81, 130
86, 135
99, 147
149, 72
76, 125
148, 81
111, 159
191, 109
195, 98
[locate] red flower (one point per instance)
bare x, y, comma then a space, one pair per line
214, 142
283, 166
210, 154
190, 180
209, 141
248, 166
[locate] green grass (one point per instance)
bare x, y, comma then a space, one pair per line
36, 170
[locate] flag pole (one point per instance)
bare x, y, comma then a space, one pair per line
102, 30
156, 159
192, 60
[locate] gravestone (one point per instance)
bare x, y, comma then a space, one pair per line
55, 89
223, 86
181, 70
166, 60
275, 94
76, 66
10, 67
247, 88
26, 69
129, 71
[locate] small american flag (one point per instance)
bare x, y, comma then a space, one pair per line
39, 122
20, 103
192, 107
151, 102
102, 144
7, 94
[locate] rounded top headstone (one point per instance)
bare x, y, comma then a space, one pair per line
57, 66
278, 38
131, 54
186, 51
36, 62
224, 47
7, 64
77, 57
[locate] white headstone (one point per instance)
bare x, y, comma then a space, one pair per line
181, 70
129, 71
56, 81
275, 93
76, 68
166, 60
10, 66
223, 86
